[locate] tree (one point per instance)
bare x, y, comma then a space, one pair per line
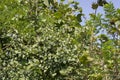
44, 40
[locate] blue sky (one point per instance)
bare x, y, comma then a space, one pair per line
86, 5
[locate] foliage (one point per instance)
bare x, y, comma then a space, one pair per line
44, 40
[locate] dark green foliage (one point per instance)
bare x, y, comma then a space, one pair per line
102, 2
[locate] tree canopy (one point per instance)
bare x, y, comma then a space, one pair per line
45, 40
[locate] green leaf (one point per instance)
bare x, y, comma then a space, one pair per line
94, 5
47, 3
118, 11
79, 17
70, 1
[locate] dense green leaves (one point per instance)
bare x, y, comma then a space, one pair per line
44, 40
